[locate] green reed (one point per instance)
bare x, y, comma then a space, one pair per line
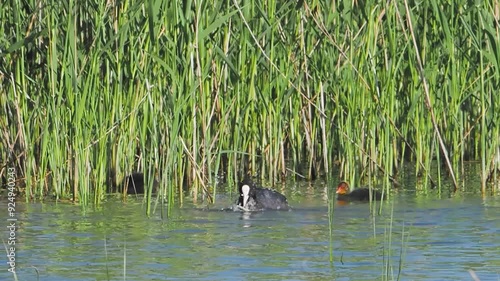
392, 271
187, 92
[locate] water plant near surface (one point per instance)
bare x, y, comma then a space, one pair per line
185, 92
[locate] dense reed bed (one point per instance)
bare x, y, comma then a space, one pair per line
186, 92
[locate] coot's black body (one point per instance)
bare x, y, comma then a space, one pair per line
253, 198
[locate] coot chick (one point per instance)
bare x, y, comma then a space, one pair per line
253, 198
359, 194
135, 184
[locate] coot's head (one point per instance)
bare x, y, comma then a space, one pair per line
247, 193
343, 188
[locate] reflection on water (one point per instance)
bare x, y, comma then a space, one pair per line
430, 238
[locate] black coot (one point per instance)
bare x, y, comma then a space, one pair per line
359, 194
253, 198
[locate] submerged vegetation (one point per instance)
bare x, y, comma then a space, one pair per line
187, 92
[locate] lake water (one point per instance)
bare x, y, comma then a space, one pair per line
416, 236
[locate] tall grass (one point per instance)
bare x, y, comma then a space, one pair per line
189, 91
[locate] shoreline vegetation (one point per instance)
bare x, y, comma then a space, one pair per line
194, 91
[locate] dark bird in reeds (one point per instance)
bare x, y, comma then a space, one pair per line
359, 194
135, 184
253, 198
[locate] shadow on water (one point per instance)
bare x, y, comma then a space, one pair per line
433, 237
